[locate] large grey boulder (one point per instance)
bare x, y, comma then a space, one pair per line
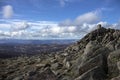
114, 63
116, 78
96, 73
93, 62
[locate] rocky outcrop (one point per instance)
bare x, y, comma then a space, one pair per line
94, 57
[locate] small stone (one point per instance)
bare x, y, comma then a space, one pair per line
40, 65
67, 64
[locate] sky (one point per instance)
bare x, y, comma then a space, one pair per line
56, 19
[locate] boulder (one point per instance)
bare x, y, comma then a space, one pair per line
96, 73
116, 78
56, 66
113, 63
47, 74
93, 62
90, 48
111, 45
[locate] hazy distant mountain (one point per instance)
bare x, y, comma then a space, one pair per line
19, 41
13, 47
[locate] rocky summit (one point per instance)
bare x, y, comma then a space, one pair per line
94, 57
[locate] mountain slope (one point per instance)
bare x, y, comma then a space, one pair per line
94, 57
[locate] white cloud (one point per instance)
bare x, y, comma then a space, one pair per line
106, 9
8, 11
66, 22
19, 26
55, 30
4, 34
107, 25
4, 26
47, 29
116, 26
90, 18
72, 29
17, 33
62, 3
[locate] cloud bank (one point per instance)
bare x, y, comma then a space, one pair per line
67, 29
48, 30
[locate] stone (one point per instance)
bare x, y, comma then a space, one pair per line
46, 75
116, 78
118, 65
93, 62
117, 46
65, 54
56, 66
111, 45
18, 78
67, 64
113, 63
40, 65
92, 49
96, 73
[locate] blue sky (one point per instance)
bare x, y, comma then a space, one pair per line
56, 19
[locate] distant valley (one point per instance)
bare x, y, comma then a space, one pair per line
15, 48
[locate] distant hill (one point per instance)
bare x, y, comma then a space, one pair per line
20, 41
94, 57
